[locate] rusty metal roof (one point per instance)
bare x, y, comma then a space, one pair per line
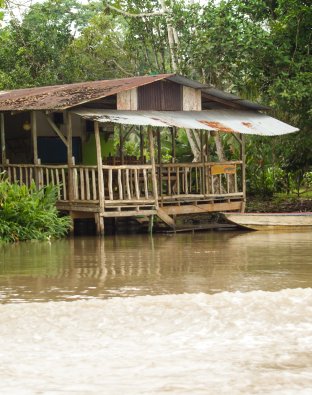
230, 121
61, 97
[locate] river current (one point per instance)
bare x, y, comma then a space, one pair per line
206, 313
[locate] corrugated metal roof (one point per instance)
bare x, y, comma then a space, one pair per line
179, 79
231, 121
61, 97
233, 99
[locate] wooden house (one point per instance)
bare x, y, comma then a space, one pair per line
65, 135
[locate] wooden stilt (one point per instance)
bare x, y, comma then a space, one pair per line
243, 158
99, 217
72, 229
99, 222
151, 224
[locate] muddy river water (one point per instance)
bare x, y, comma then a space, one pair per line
204, 313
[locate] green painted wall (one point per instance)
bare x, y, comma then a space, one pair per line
89, 149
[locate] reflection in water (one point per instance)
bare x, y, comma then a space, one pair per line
201, 341
140, 265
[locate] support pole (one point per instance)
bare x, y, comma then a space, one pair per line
121, 143
173, 144
202, 159
99, 216
69, 129
152, 155
2, 129
243, 158
141, 145
151, 224
159, 162
33, 123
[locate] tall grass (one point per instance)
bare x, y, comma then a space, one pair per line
29, 214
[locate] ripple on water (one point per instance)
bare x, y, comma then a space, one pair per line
228, 343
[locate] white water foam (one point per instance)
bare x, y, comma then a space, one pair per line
228, 343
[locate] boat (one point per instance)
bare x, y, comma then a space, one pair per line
271, 221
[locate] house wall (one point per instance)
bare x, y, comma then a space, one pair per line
160, 96
192, 100
127, 100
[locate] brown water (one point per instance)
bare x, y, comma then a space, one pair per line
139, 265
184, 330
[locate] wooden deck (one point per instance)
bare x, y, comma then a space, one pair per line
130, 190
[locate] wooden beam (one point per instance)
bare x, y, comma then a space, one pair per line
165, 218
152, 156
129, 213
2, 130
56, 130
202, 208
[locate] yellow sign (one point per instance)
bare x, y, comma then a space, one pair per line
223, 169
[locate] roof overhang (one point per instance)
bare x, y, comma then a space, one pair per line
230, 121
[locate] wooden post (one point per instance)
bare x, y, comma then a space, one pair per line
3, 150
202, 159
69, 129
159, 162
141, 145
151, 224
121, 143
243, 158
152, 156
99, 216
33, 122
173, 144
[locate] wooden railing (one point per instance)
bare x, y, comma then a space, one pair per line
128, 183
200, 179
133, 183
41, 175
85, 183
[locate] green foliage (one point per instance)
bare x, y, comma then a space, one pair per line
32, 50
29, 214
259, 49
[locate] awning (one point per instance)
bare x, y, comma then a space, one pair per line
231, 121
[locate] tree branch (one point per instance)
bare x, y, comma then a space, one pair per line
140, 15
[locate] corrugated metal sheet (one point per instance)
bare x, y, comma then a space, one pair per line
61, 97
214, 92
230, 121
179, 79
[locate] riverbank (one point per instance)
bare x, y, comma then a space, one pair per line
278, 204
275, 204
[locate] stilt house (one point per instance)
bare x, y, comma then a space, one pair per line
67, 135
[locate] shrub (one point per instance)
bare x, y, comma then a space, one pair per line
29, 213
